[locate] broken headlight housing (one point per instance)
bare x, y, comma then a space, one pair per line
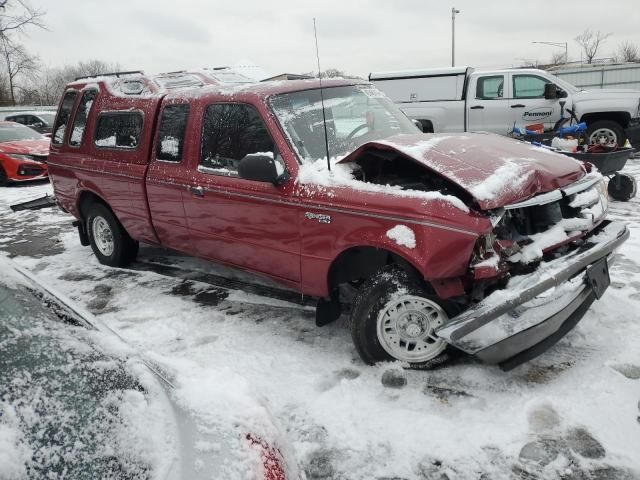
483, 246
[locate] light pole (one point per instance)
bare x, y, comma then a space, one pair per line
453, 36
559, 44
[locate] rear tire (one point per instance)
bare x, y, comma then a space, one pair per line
393, 319
109, 241
4, 179
606, 132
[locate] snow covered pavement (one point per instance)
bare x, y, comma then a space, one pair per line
571, 413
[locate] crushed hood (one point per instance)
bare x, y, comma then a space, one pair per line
495, 170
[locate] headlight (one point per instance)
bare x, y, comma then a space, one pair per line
484, 244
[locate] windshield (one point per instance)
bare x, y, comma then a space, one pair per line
355, 114
10, 132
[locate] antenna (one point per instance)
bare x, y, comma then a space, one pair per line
324, 117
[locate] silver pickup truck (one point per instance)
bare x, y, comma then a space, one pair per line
461, 99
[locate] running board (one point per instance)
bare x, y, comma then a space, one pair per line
36, 204
224, 282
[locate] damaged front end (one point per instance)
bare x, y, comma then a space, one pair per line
542, 267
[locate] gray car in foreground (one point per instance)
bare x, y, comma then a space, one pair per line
77, 402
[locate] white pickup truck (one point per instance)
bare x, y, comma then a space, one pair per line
461, 99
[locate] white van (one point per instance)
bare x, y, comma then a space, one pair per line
461, 99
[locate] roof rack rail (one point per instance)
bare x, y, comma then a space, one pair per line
112, 74
176, 72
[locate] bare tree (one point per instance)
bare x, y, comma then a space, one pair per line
558, 58
18, 62
331, 73
15, 15
47, 86
627, 52
591, 42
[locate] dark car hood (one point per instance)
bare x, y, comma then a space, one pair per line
27, 147
496, 171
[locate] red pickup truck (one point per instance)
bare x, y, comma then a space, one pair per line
477, 242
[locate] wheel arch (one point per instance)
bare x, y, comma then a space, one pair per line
87, 197
427, 125
621, 118
361, 261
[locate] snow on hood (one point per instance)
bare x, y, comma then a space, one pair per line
341, 175
26, 147
495, 170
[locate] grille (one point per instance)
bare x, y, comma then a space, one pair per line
39, 158
28, 171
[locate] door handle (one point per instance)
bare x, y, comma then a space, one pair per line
518, 105
477, 107
197, 190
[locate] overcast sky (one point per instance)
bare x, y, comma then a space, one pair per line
355, 36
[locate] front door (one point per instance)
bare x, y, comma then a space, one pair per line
528, 105
249, 224
488, 105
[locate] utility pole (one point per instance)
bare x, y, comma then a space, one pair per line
453, 35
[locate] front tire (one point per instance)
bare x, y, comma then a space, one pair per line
394, 319
109, 241
606, 132
4, 179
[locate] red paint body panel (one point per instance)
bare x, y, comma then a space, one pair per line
471, 160
274, 230
11, 166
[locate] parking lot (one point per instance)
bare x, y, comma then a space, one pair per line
230, 339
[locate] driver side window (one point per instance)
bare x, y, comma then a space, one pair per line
230, 132
528, 86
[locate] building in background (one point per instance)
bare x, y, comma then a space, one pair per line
602, 75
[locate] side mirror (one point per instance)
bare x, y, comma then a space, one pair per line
550, 91
418, 124
259, 168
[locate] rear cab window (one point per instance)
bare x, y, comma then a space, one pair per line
64, 113
173, 125
490, 87
230, 132
82, 114
119, 130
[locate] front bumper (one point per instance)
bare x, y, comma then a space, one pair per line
534, 311
25, 172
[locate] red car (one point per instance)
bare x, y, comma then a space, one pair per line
23, 153
475, 241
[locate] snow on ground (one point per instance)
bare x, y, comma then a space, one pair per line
571, 411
